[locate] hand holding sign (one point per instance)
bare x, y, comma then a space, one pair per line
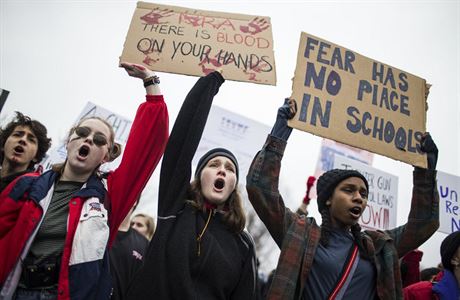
287, 111
135, 70
429, 147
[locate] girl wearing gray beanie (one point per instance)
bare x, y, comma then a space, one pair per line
337, 260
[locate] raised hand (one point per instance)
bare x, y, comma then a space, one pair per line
429, 147
285, 112
135, 70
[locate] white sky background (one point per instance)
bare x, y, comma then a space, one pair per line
57, 55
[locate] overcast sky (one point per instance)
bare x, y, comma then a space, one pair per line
57, 55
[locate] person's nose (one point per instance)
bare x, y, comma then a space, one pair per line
89, 138
221, 171
358, 198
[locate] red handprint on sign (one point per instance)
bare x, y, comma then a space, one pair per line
150, 61
209, 65
156, 14
255, 26
254, 71
193, 20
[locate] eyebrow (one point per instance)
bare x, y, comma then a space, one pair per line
352, 185
24, 132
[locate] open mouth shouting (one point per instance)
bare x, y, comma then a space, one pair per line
83, 152
219, 184
19, 149
356, 212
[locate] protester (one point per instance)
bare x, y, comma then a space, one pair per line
56, 228
199, 249
144, 224
446, 285
312, 258
126, 256
24, 143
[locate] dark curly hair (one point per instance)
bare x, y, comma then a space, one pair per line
44, 142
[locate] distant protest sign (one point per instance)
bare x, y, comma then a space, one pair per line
241, 135
355, 100
383, 193
330, 149
196, 42
449, 209
121, 127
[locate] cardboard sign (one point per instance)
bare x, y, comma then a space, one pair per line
449, 209
242, 136
380, 212
355, 100
196, 42
121, 127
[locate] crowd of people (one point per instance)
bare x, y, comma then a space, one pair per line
69, 233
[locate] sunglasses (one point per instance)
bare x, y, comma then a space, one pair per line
98, 138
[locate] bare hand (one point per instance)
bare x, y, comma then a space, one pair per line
135, 70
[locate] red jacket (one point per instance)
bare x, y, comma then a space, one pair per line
95, 212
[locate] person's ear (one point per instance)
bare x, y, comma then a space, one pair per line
455, 261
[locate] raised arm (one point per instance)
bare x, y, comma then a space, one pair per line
183, 142
263, 176
423, 218
144, 148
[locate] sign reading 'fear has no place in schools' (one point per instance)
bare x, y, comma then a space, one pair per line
196, 42
355, 100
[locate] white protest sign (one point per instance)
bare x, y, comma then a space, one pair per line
448, 187
383, 192
330, 149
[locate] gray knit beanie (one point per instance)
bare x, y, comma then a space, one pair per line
329, 180
213, 153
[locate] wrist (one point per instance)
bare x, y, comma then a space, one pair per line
151, 80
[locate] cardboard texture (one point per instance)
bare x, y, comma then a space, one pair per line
196, 42
344, 96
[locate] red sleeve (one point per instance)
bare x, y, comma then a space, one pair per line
144, 148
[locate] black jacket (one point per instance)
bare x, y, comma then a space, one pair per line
173, 269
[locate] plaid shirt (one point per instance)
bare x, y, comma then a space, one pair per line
298, 236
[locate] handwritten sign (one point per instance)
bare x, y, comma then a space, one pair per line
380, 212
449, 209
355, 100
196, 42
121, 127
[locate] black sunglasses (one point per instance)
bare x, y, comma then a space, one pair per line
98, 138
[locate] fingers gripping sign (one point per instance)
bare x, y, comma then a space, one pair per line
429, 147
285, 112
